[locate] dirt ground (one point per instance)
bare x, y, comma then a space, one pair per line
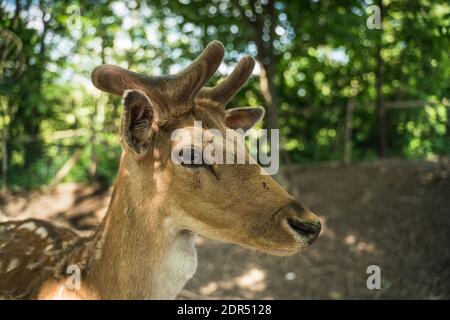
394, 214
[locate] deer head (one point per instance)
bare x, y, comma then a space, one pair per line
228, 202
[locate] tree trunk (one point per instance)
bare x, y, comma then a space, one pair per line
381, 112
267, 62
15, 19
92, 169
348, 133
96, 125
32, 125
4, 158
269, 94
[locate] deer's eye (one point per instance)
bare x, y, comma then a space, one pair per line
192, 158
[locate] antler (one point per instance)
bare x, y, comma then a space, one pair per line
167, 91
227, 88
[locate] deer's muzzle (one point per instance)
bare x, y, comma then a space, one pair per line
302, 222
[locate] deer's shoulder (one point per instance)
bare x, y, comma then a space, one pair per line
30, 253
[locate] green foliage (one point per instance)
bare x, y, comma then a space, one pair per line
323, 55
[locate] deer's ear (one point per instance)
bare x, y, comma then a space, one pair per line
137, 122
243, 118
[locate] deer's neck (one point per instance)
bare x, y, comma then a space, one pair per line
137, 253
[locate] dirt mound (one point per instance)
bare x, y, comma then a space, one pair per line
394, 215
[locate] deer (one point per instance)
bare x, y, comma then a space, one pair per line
144, 248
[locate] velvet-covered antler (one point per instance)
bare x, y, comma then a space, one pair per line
227, 88
168, 93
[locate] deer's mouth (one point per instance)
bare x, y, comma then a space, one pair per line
292, 235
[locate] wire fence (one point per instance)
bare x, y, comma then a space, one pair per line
36, 162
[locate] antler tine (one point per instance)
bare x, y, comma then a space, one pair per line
116, 80
164, 90
201, 69
227, 88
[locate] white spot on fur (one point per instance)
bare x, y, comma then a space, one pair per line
48, 248
33, 266
30, 226
14, 263
42, 232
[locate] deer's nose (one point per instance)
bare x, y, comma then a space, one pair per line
306, 229
305, 223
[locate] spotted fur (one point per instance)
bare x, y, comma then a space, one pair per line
32, 251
